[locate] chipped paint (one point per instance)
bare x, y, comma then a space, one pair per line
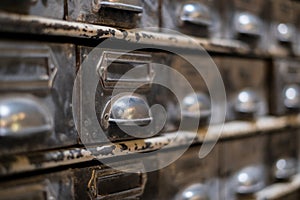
43, 160
44, 26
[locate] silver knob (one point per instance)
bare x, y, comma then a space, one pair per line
22, 116
291, 96
285, 32
249, 180
247, 23
127, 110
246, 101
196, 13
284, 168
196, 105
193, 192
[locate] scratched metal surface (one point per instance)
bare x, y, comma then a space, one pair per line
53, 27
44, 160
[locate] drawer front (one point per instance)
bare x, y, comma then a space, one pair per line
253, 6
36, 90
282, 154
285, 86
189, 175
243, 167
124, 94
194, 89
244, 20
246, 87
48, 8
123, 179
282, 11
120, 13
282, 33
296, 13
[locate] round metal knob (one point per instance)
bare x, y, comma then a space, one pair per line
246, 101
23, 116
196, 105
193, 192
249, 180
284, 168
285, 32
247, 23
291, 96
196, 13
127, 110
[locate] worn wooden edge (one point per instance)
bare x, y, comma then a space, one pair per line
279, 190
12, 164
16, 23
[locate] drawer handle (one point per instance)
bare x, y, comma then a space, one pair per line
126, 110
195, 191
26, 67
196, 13
109, 183
247, 23
134, 5
249, 180
285, 32
285, 168
291, 96
196, 106
22, 116
247, 101
113, 68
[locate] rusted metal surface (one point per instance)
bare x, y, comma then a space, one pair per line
43, 160
52, 27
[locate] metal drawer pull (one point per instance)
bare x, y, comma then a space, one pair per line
22, 116
285, 168
285, 32
26, 67
249, 180
247, 23
195, 191
134, 5
113, 68
126, 111
291, 96
247, 101
196, 13
112, 184
196, 105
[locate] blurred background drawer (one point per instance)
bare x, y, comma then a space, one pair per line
199, 18
246, 86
